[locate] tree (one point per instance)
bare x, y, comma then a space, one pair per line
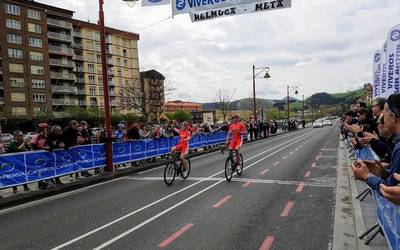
182, 116
138, 99
224, 99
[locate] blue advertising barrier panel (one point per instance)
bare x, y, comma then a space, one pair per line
389, 220
20, 168
388, 214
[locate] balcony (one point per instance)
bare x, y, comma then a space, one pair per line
59, 23
77, 58
1, 70
113, 104
82, 103
112, 94
67, 102
65, 89
81, 92
60, 50
61, 63
111, 83
110, 73
93, 104
77, 34
78, 69
1, 100
1, 85
59, 36
80, 80
56, 75
91, 71
110, 62
77, 46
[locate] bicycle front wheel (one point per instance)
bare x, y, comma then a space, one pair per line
185, 174
169, 173
240, 170
229, 169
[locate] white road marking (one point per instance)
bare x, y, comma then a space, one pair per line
107, 243
34, 203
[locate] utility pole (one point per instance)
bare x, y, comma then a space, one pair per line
254, 94
102, 30
288, 104
303, 109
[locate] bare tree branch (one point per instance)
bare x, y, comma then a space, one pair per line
224, 98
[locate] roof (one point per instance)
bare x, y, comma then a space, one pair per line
32, 3
112, 31
152, 74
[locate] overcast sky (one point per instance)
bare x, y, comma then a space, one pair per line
318, 45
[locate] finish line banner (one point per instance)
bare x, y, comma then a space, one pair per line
20, 168
239, 9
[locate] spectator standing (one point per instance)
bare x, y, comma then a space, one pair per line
19, 145
70, 134
133, 132
144, 134
39, 142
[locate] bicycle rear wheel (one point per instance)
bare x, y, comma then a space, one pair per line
169, 173
240, 170
187, 172
229, 169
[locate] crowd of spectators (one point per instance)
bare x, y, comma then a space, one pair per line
52, 137
378, 128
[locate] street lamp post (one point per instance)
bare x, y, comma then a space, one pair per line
302, 112
267, 75
108, 127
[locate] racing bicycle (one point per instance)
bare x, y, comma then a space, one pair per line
173, 168
231, 164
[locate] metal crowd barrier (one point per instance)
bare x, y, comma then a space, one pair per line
33, 166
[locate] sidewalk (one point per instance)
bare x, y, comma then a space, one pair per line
8, 198
352, 217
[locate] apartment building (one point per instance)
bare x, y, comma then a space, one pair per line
152, 84
173, 106
49, 62
122, 62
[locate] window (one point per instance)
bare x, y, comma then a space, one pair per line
39, 109
34, 14
89, 45
18, 97
119, 61
125, 63
98, 58
13, 9
17, 82
124, 53
91, 57
98, 48
36, 56
16, 68
101, 91
13, 24
38, 84
118, 51
90, 35
100, 79
92, 80
39, 97
119, 72
120, 82
16, 53
16, 111
37, 70
14, 38
92, 91
126, 83
91, 68
97, 36
34, 28
35, 42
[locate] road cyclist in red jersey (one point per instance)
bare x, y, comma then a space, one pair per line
183, 145
237, 129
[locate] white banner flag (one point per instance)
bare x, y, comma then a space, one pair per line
376, 74
146, 3
393, 61
383, 71
240, 9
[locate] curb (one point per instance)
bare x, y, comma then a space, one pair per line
44, 193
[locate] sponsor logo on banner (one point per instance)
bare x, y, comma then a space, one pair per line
393, 61
187, 6
7, 167
383, 70
376, 75
240, 9
155, 2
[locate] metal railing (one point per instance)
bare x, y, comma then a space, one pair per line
80, 80
65, 102
59, 23
58, 62
53, 48
78, 58
59, 36
57, 75
65, 89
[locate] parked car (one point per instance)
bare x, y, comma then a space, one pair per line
327, 123
7, 138
318, 124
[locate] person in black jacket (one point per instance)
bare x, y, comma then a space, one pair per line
70, 134
133, 132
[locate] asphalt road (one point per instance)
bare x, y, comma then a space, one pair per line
285, 199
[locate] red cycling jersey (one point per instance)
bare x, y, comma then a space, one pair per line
237, 130
183, 144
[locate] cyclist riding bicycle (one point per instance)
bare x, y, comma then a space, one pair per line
237, 129
183, 144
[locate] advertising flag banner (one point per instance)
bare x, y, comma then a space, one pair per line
393, 61
146, 3
383, 71
239, 9
376, 74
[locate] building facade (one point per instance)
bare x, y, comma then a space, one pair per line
50, 62
173, 106
152, 84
